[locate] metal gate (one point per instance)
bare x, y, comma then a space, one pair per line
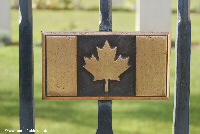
183, 49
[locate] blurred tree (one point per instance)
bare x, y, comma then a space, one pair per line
54, 4
41, 4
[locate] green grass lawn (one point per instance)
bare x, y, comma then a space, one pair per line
49, 20
129, 117
75, 117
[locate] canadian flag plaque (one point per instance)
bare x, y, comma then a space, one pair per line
105, 65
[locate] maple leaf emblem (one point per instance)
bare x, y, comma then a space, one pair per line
106, 68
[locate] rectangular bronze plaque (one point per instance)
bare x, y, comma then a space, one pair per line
105, 66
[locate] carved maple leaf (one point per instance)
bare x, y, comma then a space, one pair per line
106, 68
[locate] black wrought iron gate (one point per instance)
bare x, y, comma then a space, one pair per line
183, 49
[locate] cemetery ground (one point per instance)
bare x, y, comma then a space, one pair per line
75, 117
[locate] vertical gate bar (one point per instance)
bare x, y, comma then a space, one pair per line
105, 106
105, 15
183, 48
26, 77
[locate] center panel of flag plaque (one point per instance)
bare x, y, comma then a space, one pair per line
105, 65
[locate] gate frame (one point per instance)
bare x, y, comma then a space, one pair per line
26, 69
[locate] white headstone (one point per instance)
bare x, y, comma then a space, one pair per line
153, 15
5, 18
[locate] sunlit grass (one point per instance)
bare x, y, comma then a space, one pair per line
140, 117
50, 20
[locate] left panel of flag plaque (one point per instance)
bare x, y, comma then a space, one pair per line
63, 48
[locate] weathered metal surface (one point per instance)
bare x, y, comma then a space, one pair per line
105, 15
106, 68
116, 88
95, 61
62, 66
104, 117
151, 63
183, 47
26, 77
